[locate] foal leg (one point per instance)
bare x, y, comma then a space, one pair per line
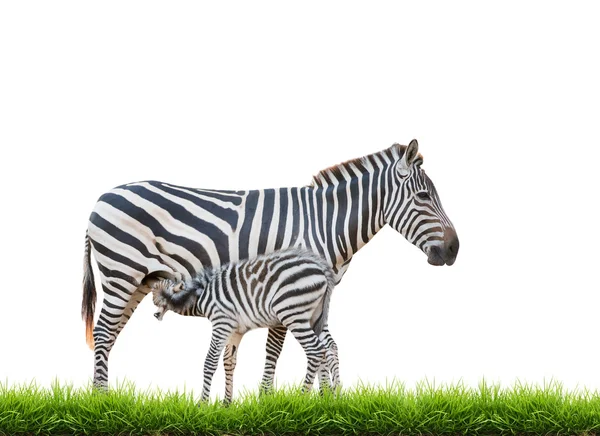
324, 381
312, 346
220, 336
273, 350
331, 356
229, 362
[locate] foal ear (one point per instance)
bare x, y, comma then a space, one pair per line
178, 287
411, 152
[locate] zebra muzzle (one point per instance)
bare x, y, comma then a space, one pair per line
159, 315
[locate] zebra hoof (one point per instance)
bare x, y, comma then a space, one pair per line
265, 390
100, 388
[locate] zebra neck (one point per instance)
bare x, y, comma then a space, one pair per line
199, 308
349, 212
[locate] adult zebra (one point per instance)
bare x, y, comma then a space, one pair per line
148, 229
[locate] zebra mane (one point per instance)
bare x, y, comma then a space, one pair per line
336, 173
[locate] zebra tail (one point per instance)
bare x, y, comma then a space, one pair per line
322, 320
88, 304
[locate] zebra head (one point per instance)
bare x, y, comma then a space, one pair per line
412, 207
167, 295
179, 296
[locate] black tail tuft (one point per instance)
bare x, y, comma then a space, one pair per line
88, 305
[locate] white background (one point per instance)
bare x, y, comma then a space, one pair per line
505, 103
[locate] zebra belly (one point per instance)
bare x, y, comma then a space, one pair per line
246, 322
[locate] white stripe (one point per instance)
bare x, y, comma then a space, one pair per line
256, 226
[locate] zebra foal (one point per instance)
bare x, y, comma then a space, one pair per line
290, 288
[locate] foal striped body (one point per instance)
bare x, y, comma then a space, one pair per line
149, 229
289, 288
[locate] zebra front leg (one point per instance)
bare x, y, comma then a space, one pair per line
220, 336
274, 345
313, 348
229, 362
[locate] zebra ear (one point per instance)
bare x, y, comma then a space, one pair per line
411, 152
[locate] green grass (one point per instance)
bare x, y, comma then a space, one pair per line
452, 409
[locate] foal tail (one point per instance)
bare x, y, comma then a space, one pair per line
88, 304
322, 320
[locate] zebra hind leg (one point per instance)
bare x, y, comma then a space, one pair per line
120, 301
331, 357
229, 362
312, 346
324, 380
274, 345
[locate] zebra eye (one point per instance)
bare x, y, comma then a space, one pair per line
423, 196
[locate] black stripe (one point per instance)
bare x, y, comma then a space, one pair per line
250, 211
320, 224
238, 303
220, 282
296, 216
353, 219
365, 210
305, 217
389, 188
341, 216
310, 195
283, 209
398, 213
329, 227
305, 272
380, 186
376, 203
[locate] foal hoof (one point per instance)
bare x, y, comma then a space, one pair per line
100, 388
265, 390
202, 403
